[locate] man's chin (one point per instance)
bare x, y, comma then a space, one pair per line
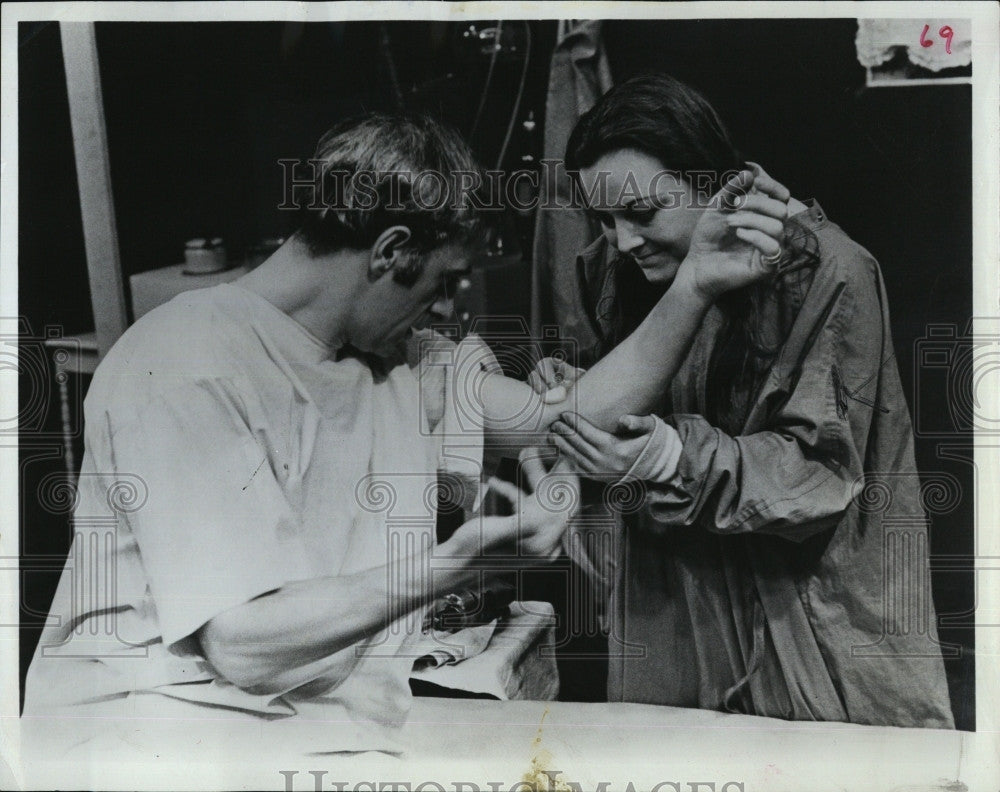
392, 348
387, 348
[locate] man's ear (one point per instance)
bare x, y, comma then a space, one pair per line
386, 251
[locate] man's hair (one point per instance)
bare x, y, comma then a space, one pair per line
377, 170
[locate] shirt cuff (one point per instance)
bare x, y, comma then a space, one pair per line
657, 462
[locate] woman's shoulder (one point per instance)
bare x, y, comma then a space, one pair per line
829, 274
595, 253
828, 259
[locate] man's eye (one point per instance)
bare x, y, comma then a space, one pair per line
450, 284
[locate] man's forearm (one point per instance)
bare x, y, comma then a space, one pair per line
283, 639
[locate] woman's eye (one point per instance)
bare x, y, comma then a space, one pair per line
640, 214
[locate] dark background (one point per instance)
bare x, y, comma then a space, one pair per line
199, 114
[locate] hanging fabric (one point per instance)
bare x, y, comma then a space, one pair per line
579, 74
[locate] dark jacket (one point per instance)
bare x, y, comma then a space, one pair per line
783, 572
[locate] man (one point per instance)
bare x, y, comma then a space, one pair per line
273, 429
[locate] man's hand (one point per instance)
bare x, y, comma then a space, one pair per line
738, 238
540, 517
552, 378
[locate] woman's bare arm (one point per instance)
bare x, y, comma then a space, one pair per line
633, 377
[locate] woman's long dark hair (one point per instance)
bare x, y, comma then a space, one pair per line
666, 119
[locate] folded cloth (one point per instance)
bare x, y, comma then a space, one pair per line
515, 661
453, 647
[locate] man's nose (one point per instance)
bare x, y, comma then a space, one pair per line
626, 239
443, 308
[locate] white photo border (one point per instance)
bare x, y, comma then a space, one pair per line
975, 753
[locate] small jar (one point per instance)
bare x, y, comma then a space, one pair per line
204, 256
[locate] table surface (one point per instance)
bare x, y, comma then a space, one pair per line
471, 743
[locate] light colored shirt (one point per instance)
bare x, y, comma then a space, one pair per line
229, 452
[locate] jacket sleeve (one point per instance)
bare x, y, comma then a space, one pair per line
794, 472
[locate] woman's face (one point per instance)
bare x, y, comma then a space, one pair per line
645, 211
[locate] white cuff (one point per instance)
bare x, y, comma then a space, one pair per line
657, 462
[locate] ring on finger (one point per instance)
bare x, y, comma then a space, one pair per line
773, 259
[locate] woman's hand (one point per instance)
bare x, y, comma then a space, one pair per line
596, 452
642, 447
738, 238
540, 518
552, 378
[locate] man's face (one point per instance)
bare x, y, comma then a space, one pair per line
626, 187
390, 311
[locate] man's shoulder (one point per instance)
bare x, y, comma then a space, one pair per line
195, 335
190, 322
428, 344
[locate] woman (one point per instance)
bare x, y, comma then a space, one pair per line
758, 576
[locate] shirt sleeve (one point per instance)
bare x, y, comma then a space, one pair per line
657, 462
216, 530
796, 475
461, 432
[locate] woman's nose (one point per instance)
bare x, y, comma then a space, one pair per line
626, 239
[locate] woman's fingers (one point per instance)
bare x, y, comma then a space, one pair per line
766, 184
637, 424
549, 372
764, 205
734, 191
576, 441
592, 434
559, 372
766, 245
751, 220
579, 460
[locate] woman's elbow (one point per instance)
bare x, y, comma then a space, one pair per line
811, 514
